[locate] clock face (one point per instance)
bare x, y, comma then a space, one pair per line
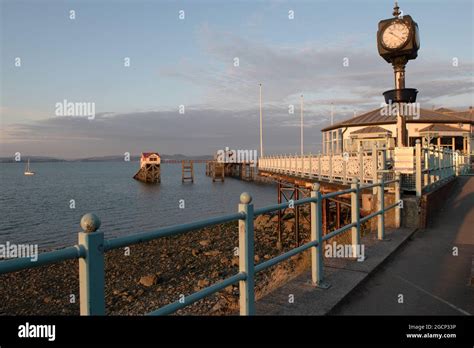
395, 35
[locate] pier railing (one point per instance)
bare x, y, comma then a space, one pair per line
430, 166
92, 246
435, 165
341, 168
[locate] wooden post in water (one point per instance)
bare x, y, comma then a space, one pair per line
187, 171
218, 171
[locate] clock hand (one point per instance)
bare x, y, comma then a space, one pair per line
391, 33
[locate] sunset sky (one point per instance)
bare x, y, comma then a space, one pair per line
190, 62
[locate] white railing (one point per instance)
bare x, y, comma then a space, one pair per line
432, 166
342, 168
436, 164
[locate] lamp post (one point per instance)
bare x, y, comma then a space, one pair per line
261, 123
302, 132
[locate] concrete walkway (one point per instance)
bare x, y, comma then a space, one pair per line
300, 297
431, 279
420, 266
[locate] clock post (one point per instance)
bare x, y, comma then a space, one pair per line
398, 42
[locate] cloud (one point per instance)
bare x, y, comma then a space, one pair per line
197, 132
313, 68
228, 115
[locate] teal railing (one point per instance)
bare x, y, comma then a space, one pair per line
92, 246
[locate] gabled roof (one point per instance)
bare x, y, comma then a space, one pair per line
441, 128
148, 154
371, 129
375, 117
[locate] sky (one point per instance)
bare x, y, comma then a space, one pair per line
190, 62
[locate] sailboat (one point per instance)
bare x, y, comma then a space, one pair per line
28, 171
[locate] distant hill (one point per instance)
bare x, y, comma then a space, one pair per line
133, 158
24, 159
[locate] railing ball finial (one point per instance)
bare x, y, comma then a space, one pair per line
418, 141
355, 180
245, 198
316, 186
90, 223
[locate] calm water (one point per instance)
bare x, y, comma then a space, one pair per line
36, 209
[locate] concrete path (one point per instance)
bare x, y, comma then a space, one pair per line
431, 279
300, 297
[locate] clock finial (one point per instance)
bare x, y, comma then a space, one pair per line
396, 10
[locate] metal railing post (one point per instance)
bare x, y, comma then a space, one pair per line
374, 162
91, 267
381, 208
426, 176
418, 174
361, 165
355, 216
432, 165
438, 164
344, 169
317, 263
320, 171
397, 199
331, 156
246, 256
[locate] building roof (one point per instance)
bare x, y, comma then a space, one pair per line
444, 110
375, 117
148, 154
441, 128
371, 129
463, 114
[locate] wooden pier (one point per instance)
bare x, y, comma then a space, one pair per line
219, 170
187, 171
215, 170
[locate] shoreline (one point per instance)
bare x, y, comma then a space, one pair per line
156, 273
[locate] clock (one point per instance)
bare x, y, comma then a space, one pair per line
398, 37
417, 37
395, 35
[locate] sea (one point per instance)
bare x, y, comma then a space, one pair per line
46, 209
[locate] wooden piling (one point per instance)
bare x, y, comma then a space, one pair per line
187, 171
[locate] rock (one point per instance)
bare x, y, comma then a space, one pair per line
212, 253
289, 225
260, 222
195, 252
217, 307
266, 257
148, 280
202, 283
47, 299
205, 242
224, 260
235, 261
256, 258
